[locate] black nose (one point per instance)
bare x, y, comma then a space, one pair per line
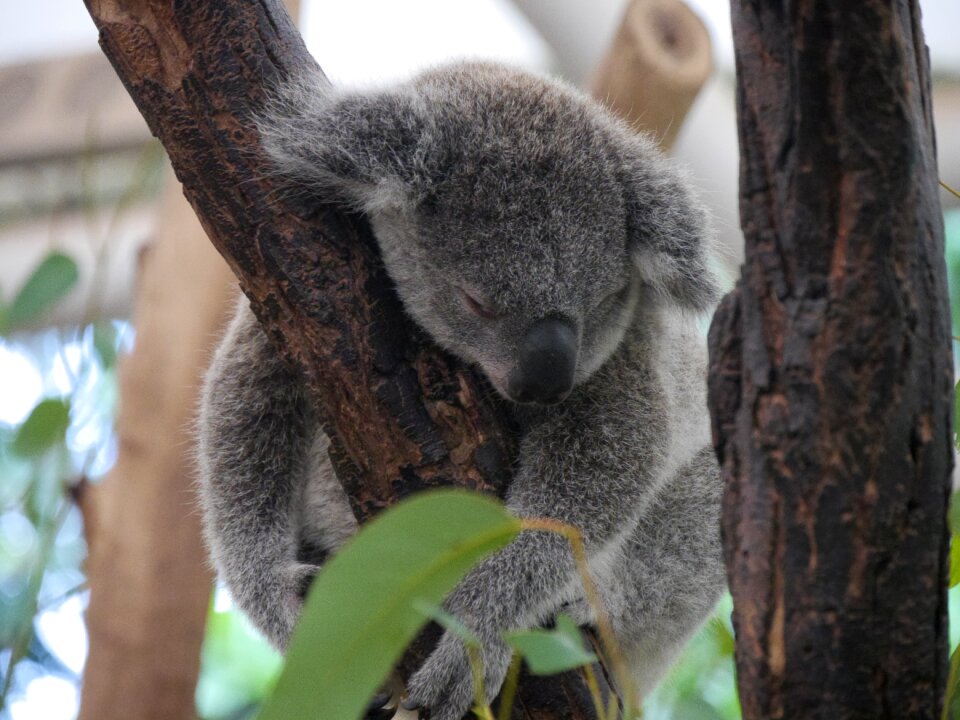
546, 363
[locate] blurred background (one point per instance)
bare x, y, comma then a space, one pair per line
91, 232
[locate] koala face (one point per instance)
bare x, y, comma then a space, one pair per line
530, 279
521, 223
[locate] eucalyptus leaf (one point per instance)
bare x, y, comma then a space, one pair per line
951, 703
548, 652
360, 613
725, 642
694, 708
50, 282
44, 428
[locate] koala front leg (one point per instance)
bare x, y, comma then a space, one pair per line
255, 433
587, 484
502, 592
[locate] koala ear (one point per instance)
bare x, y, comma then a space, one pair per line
360, 147
667, 230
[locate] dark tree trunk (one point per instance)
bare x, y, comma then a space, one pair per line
402, 415
831, 371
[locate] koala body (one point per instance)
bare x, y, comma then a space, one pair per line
535, 236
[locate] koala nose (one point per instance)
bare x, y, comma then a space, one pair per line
547, 361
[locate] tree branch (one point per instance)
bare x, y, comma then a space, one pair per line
401, 414
831, 372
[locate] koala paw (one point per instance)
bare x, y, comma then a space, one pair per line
274, 603
445, 682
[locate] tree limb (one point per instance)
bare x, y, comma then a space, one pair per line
831, 371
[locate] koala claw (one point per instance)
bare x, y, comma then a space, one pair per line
444, 684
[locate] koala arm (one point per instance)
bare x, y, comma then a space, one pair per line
582, 465
254, 438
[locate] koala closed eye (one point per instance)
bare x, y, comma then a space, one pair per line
478, 307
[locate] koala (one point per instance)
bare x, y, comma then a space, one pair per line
534, 235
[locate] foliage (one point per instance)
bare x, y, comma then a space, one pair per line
50, 282
379, 590
44, 429
548, 652
238, 668
41, 458
951, 706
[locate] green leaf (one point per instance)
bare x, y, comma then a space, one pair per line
360, 614
695, 708
52, 279
43, 429
548, 652
238, 666
725, 642
951, 704
953, 515
4, 318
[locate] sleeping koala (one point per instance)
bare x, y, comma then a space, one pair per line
535, 236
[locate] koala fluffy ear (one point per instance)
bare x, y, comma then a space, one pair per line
360, 147
667, 230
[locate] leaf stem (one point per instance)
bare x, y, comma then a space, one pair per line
948, 188
611, 648
509, 692
594, 687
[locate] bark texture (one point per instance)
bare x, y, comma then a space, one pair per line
831, 371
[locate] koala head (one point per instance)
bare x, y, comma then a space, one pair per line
524, 227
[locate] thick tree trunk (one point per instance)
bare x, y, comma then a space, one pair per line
831, 371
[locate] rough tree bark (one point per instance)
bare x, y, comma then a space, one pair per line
150, 581
831, 368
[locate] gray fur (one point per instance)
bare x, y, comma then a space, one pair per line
532, 199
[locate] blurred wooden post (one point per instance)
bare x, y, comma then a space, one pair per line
150, 585
658, 62
149, 578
